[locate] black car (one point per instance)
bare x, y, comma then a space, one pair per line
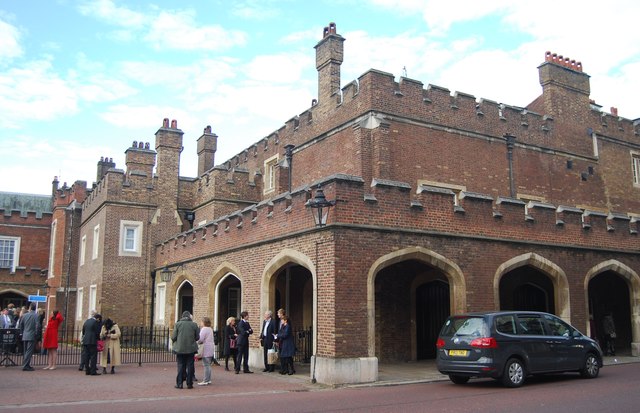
511, 345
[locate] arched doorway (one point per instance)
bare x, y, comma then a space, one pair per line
13, 297
526, 288
184, 299
609, 292
289, 282
229, 299
413, 290
530, 281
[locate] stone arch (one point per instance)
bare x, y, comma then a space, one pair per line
176, 285
224, 270
268, 283
633, 281
455, 277
558, 278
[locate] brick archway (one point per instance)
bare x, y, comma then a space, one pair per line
224, 270
633, 282
455, 277
553, 271
268, 283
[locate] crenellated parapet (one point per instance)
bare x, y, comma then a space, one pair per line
397, 206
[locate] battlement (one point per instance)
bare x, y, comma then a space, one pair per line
427, 210
407, 98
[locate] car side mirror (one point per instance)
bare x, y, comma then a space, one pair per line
576, 334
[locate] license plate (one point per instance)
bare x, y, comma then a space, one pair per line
459, 353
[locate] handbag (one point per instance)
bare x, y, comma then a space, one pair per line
200, 351
100, 344
272, 355
232, 343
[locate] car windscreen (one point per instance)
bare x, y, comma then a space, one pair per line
465, 326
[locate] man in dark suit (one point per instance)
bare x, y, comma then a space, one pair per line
244, 331
30, 328
266, 339
90, 336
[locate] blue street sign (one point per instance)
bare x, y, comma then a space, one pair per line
38, 298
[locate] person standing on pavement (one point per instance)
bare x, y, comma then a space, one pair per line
29, 327
90, 337
110, 333
50, 341
287, 346
208, 349
185, 344
230, 348
609, 329
266, 339
244, 331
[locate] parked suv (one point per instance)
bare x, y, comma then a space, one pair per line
510, 345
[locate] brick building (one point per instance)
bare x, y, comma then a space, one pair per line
25, 235
444, 203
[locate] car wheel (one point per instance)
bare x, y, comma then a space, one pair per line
514, 373
459, 379
591, 367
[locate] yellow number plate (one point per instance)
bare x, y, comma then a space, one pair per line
461, 353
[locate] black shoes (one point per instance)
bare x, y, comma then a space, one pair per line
247, 371
28, 368
177, 386
265, 370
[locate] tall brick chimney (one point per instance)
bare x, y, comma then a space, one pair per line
140, 159
207, 145
329, 57
104, 164
168, 148
565, 88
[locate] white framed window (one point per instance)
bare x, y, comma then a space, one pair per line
52, 247
270, 174
9, 252
161, 297
83, 249
635, 167
96, 242
130, 238
79, 299
93, 297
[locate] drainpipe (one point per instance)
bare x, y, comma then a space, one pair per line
510, 139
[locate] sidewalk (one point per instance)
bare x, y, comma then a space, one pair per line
66, 384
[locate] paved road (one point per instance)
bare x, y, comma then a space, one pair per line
149, 389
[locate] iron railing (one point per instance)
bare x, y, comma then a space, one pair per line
138, 345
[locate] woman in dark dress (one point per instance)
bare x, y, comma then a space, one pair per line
230, 333
287, 346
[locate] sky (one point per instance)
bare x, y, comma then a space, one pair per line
80, 80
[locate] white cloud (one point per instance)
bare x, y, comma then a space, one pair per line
280, 68
34, 91
178, 30
9, 42
107, 11
255, 9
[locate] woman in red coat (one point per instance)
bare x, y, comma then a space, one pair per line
50, 341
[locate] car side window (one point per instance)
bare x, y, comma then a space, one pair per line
557, 327
506, 324
530, 325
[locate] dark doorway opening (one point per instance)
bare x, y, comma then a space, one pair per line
608, 291
432, 309
526, 289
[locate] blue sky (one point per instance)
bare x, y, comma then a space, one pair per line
84, 79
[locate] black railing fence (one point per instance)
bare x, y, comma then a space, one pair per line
138, 345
